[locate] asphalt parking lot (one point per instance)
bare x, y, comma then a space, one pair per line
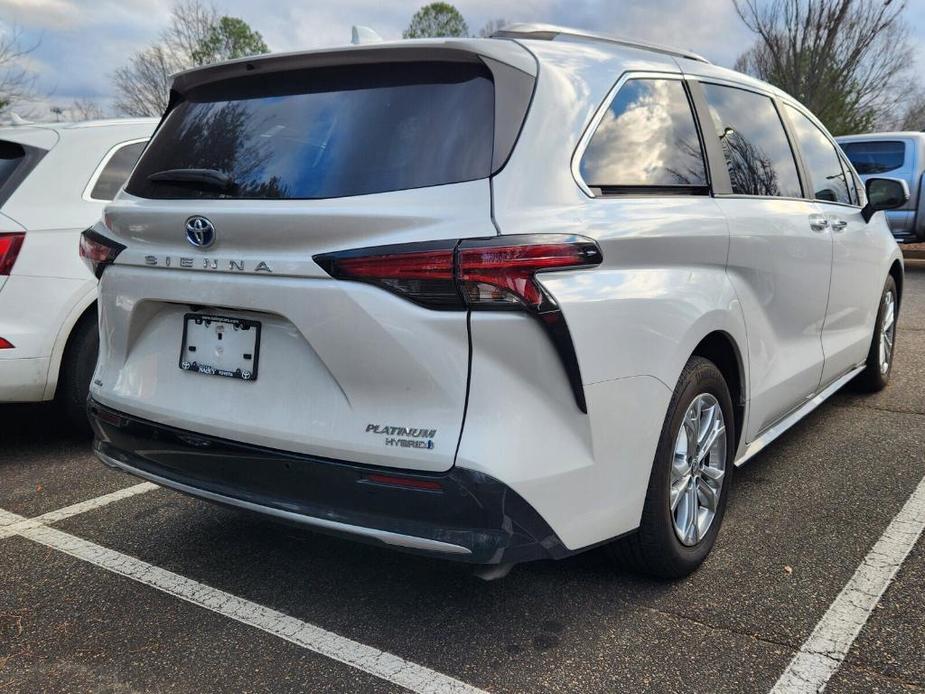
149, 590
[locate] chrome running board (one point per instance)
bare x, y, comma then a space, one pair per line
760, 443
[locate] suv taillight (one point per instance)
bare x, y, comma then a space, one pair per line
479, 274
10, 243
97, 251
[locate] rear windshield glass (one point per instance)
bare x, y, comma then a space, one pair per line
875, 157
322, 133
11, 156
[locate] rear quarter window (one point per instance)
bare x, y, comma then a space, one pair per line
116, 171
11, 156
327, 132
16, 162
876, 156
646, 138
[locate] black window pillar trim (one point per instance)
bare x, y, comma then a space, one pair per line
806, 182
712, 148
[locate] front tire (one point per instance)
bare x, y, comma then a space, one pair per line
77, 368
876, 373
689, 483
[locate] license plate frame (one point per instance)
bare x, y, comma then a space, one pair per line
191, 364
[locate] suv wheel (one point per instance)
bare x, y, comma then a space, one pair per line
882, 345
76, 371
690, 478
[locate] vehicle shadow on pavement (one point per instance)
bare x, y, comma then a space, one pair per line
30, 425
45, 464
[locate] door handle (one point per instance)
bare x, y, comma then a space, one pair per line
838, 225
818, 223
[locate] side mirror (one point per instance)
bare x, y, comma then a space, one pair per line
884, 194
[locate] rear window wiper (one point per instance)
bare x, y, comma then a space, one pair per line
195, 178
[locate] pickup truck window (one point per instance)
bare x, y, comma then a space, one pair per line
876, 156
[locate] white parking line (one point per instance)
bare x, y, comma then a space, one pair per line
826, 648
16, 524
381, 664
7, 519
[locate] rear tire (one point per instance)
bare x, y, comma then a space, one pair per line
666, 545
77, 368
876, 374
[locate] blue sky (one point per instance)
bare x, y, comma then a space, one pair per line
81, 42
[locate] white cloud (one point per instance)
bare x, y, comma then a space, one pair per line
68, 15
83, 41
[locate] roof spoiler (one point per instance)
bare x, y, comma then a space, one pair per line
451, 50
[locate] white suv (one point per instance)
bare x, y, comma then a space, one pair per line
490, 299
54, 182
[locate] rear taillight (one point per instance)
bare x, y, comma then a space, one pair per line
495, 273
5, 344
421, 272
500, 273
480, 274
10, 243
97, 251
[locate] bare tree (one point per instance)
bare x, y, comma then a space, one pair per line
16, 81
844, 59
491, 26
191, 22
914, 114
196, 35
84, 109
143, 86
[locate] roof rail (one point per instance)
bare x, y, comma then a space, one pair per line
549, 32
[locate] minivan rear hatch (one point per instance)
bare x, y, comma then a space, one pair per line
257, 167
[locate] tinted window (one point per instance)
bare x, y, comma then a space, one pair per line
328, 132
821, 159
875, 157
754, 142
646, 138
11, 156
116, 171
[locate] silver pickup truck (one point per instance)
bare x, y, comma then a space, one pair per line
896, 155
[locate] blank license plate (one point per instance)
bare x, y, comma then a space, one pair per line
220, 346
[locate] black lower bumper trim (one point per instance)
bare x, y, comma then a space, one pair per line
472, 517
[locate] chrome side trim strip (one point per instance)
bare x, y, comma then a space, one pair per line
384, 536
760, 443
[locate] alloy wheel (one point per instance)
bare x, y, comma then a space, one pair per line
887, 331
697, 469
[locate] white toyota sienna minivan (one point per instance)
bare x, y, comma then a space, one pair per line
491, 300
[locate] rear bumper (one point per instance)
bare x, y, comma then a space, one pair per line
23, 380
472, 518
